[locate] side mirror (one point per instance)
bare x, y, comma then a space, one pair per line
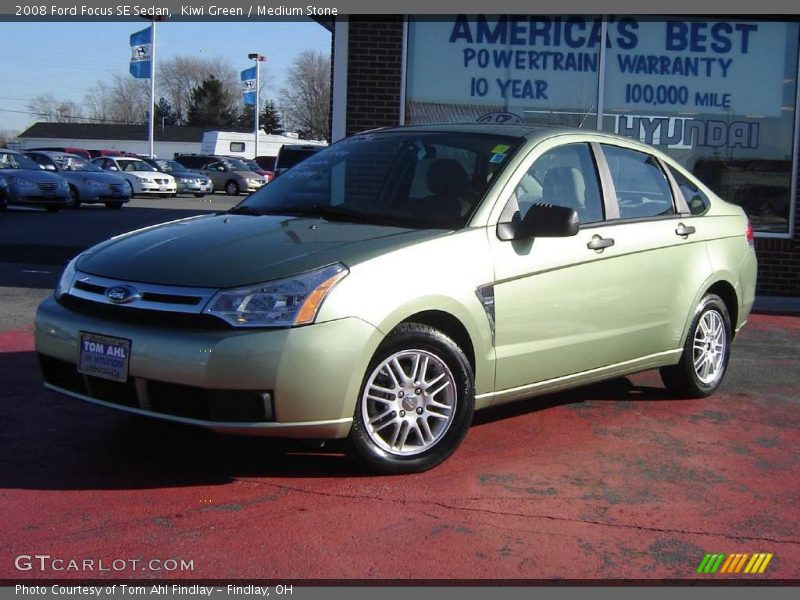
113, 169
541, 220
53, 168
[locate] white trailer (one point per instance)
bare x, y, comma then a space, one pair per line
232, 143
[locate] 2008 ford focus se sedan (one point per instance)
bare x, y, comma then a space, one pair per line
395, 282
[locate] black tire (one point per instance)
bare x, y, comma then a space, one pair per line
3, 204
52, 209
74, 198
232, 188
113, 205
683, 378
443, 351
199, 195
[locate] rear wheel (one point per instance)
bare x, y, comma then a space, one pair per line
705, 354
74, 198
416, 402
232, 188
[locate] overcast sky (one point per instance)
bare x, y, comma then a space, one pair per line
65, 58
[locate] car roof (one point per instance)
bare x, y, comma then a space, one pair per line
54, 153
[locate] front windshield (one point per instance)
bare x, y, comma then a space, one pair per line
234, 164
134, 165
405, 179
170, 166
12, 160
74, 163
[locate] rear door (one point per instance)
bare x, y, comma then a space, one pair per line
658, 239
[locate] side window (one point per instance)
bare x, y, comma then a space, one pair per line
698, 202
563, 176
236, 146
642, 187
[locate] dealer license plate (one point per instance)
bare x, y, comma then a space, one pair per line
162, 188
103, 356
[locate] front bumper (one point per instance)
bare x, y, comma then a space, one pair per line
195, 188
155, 188
35, 197
313, 373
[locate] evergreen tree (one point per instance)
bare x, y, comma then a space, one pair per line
165, 114
271, 119
211, 106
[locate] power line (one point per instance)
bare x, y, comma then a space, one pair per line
76, 119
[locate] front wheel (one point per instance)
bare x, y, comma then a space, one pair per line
130, 188
705, 354
232, 188
416, 403
74, 198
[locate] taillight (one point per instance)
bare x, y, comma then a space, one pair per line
748, 233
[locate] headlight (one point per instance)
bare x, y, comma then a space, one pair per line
142, 179
183, 180
22, 182
67, 277
282, 303
94, 183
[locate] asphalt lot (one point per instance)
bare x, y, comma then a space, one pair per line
611, 481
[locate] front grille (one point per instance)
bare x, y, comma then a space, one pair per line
47, 187
143, 316
220, 406
161, 181
143, 296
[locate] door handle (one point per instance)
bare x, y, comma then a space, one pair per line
598, 243
684, 230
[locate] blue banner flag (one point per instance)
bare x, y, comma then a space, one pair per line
249, 86
141, 53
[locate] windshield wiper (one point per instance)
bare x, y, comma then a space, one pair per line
339, 213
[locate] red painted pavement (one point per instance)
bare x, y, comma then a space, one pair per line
611, 481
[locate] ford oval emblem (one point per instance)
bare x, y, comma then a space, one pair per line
120, 294
500, 118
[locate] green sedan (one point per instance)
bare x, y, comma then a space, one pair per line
397, 281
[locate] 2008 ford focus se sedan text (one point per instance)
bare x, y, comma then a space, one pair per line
395, 282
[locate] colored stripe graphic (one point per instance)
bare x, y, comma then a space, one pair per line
734, 563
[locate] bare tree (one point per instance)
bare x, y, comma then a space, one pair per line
180, 75
47, 107
305, 101
122, 100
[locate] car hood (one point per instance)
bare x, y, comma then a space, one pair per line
148, 174
80, 176
224, 250
35, 175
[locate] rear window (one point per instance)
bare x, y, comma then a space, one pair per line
642, 187
697, 200
289, 157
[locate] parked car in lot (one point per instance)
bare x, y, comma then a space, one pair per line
390, 285
88, 183
30, 185
188, 182
254, 167
227, 174
141, 177
292, 154
267, 164
82, 152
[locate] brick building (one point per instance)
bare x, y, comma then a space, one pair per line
720, 96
